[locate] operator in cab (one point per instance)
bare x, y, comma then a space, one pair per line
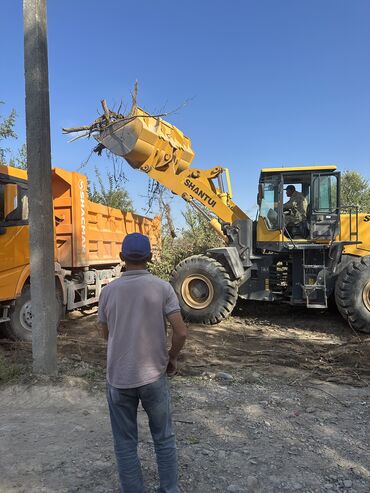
295, 210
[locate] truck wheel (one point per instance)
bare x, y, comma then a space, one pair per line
20, 325
204, 288
352, 294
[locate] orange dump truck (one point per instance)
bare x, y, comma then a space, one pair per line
88, 239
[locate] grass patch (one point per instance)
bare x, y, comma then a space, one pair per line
9, 372
94, 375
193, 440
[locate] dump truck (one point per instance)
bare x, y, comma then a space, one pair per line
88, 239
324, 257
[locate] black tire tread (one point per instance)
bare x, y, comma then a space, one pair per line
231, 287
344, 293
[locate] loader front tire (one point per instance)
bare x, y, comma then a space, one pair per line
205, 291
352, 294
20, 325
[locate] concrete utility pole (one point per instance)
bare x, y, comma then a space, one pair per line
44, 330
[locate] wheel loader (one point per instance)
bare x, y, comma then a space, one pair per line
324, 257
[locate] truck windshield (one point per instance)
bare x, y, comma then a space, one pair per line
269, 204
13, 203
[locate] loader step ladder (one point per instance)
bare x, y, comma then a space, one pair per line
314, 279
352, 211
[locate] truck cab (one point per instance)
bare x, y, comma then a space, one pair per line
14, 235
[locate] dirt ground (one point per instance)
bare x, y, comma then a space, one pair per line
272, 400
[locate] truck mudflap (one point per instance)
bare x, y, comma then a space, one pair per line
4, 313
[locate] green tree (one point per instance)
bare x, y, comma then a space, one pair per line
355, 190
112, 196
20, 160
195, 238
198, 232
6, 132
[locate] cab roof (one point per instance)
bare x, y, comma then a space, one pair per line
288, 169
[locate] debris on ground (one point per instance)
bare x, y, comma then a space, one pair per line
269, 401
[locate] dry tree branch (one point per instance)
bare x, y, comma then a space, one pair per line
106, 110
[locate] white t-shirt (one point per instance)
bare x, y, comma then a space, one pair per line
135, 307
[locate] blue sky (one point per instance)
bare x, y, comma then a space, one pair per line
271, 82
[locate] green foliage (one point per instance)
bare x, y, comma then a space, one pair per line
6, 132
355, 190
199, 233
20, 161
8, 371
195, 238
112, 196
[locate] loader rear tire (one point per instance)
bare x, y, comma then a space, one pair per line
20, 325
205, 290
352, 294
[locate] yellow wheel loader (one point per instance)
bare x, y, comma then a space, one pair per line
323, 254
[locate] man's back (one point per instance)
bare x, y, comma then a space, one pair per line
135, 307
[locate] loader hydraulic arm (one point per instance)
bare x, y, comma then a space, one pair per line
163, 152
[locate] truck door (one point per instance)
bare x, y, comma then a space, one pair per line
324, 217
14, 235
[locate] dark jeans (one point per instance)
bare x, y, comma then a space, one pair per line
123, 403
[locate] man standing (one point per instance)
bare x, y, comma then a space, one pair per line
132, 314
296, 207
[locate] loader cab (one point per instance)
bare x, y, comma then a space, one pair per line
297, 205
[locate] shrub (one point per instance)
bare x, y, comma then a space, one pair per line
194, 239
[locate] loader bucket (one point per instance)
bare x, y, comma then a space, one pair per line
144, 139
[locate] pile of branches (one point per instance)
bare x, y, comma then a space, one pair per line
105, 119
102, 122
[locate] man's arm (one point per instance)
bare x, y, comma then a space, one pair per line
102, 317
287, 205
104, 330
179, 333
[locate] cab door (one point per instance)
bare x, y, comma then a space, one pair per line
270, 218
14, 234
324, 217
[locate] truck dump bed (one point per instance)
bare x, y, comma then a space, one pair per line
89, 234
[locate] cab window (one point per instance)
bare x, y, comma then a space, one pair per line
13, 204
269, 202
326, 193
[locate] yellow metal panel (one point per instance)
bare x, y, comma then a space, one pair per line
136, 137
80, 229
266, 235
299, 168
17, 173
14, 257
106, 228
363, 234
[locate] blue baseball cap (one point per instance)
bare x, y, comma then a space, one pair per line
136, 246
